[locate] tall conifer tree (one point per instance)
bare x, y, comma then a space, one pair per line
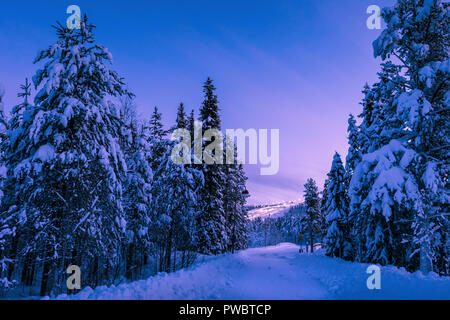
212, 235
65, 165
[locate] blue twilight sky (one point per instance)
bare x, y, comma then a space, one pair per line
298, 66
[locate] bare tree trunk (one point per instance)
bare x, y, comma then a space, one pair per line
425, 262
174, 260
129, 262
183, 257
12, 256
169, 250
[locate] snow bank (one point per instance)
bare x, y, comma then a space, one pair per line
278, 272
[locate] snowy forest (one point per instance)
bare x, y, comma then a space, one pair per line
389, 203
86, 181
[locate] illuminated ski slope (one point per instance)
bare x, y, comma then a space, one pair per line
271, 211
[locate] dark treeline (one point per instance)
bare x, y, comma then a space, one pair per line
294, 227
272, 231
87, 183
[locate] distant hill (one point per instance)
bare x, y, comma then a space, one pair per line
271, 210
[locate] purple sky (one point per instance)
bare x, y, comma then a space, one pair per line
297, 66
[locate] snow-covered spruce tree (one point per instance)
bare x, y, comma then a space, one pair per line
2, 93
369, 139
354, 149
191, 123
4, 125
235, 195
336, 211
137, 202
368, 116
157, 139
355, 145
3, 130
6, 229
311, 221
239, 234
127, 112
401, 185
383, 194
156, 127
130, 125
65, 166
175, 209
3, 120
212, 235
134, 141
182, 119
17, 111
323, 203
28, 261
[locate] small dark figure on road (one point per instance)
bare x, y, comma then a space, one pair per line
300, 239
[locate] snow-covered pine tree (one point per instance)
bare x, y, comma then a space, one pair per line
323, 203
156, 127
354, 153
65, 165
17, 111
239, 234
210, 112
28, 262
5, 227
383, 194
2, 93
368, 115
130, 124
235, 195
191, 123
175, 208
423, 109
3, 130
377, 235
369, 133
3, 120
336, 210
212, 235
156, 138
401, 185
355, 143
8, 223
182, 120
137, 201
311, 220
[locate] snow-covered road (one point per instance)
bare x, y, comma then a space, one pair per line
278, 272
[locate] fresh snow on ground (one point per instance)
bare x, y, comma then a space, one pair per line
277, 272
271, 211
